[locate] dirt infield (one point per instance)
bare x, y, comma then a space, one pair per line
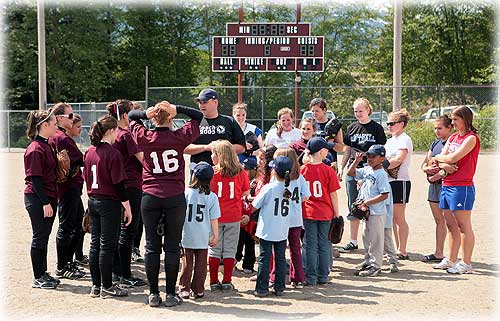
416, 292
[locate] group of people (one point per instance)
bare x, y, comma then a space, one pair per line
243, 190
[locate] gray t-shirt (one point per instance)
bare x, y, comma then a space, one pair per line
201, 208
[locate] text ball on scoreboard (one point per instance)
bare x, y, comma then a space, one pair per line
268, 29
226, 64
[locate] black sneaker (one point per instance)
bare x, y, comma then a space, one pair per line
69, 272
348, 248
172, 300
154, 300
132, 281
50, 278
136, 255
95, 291
361, 267
194, 296
43, 283
228, 287
215, 287
113, 291
260, 294
278, 293
83, 261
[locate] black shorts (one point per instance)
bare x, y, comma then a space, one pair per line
400, 192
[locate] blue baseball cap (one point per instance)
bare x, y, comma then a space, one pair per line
376, 150
281, 165
207, 94
250, 163
316, 144
203, 171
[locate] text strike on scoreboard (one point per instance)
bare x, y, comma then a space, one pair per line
271, 47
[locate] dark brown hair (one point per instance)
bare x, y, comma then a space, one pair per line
35, 119
121, 105
264, 171
445, 119
466, 114
320, 102
100, 127
202, 186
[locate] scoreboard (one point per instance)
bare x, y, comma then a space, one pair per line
273, 47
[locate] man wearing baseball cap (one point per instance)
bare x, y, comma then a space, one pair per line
214, 126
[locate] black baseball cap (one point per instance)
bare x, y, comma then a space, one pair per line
207, 94
316, 144
281, 165
250, 163
203, 171
376, 150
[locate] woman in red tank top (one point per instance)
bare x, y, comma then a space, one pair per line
458, 193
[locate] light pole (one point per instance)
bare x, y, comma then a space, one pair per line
42, 70
396, 61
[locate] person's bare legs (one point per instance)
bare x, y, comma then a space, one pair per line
402, 230
454, 235
463, 219
354, 228
441, 229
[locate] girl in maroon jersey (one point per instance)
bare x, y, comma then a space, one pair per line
104, 176
163, 203
80, 258
69, 191
132, 156
40, 198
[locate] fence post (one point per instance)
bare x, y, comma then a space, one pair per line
439, 98
8, 131
262, 108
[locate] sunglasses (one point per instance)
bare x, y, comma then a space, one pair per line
390, 123
69, 116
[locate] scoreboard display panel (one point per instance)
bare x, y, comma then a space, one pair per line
274, 47
281, 29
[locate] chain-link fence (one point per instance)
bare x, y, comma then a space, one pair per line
424, 103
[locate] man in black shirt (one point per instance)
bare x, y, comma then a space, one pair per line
213, 127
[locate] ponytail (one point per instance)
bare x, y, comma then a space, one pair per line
35, 119
287, 194
118, 108
100, 127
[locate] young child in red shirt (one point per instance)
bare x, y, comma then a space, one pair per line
230, 183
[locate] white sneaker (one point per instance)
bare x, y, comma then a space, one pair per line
444, 264
460, 268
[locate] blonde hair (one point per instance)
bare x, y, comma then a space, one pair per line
242, 106
162, 115
229, 164
365, 102
401, 116
290, 153
281, 112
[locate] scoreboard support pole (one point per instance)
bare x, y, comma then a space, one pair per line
297, 76
240, 75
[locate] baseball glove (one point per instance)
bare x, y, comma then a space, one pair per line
393, 172
332, 128
251, 138
86, 222
361, 213
63, 166
336, 230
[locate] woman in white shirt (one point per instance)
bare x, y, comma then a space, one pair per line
283, 134
398, 151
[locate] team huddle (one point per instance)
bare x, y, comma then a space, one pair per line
243, 191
